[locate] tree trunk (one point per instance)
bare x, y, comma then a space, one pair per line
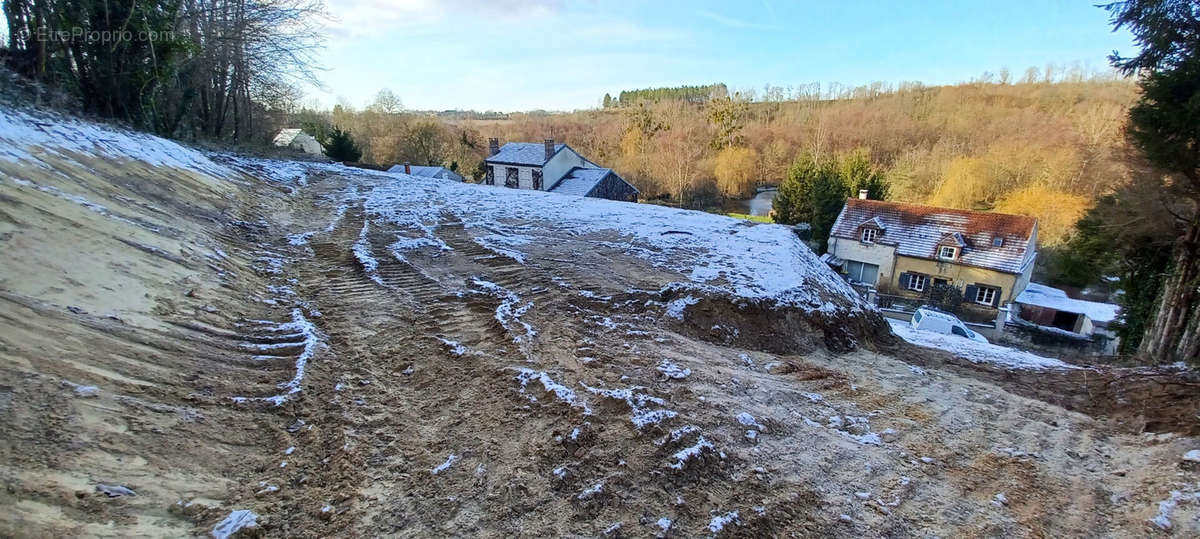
1175, 333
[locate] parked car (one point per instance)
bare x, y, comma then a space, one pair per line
927, 319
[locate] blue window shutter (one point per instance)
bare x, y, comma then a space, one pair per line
996, 298
971, 293
904, 277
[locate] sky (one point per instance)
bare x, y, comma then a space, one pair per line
509, 55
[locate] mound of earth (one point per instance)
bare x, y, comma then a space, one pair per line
199, 343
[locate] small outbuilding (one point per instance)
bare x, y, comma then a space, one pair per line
297, 139
439, 173
1052, 309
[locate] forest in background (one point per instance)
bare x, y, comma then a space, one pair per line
1048, 145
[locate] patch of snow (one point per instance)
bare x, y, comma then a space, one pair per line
236, 521
678, 434
676, 307
454, 347
504, 245
362, 252
748, 420
301, 327
688, 453
664, 523
299, 238
641, 414
1163, 519
591, 492
719, 522
62, 136
510, 309
1192, 456
974, 351
445, 465
592, 295
751, 261
561, 392
673, 371
81, 390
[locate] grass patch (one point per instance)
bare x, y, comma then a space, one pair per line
755, 218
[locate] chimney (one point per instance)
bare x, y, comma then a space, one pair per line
549, 148
862, 194
407, 168
493, 146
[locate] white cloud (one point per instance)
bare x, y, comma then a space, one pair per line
353, 18
734, 22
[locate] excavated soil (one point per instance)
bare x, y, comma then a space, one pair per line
460, 391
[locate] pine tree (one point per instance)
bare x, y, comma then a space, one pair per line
816, 189
341, 147
1165, 126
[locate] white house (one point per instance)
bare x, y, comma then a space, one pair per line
556, 168
440, 173
297, 139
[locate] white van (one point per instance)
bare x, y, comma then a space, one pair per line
939, 322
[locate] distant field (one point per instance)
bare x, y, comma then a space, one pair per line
755, 218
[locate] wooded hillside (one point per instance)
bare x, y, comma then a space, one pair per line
1046, 149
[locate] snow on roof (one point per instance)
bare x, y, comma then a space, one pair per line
523, 153
427, 172
1049, 297
974, 351
916, 230
580, 181
286, 136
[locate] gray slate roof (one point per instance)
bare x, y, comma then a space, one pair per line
428, 172
286, 136
523, 153
917, 230
580, 181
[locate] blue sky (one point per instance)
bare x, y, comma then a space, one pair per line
557, 54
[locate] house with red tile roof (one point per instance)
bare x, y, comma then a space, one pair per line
909, 248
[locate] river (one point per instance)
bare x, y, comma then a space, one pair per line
761, 204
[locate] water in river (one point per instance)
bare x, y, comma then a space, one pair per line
761, 204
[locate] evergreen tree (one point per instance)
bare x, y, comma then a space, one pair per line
816, 189
341, 147
1165, 126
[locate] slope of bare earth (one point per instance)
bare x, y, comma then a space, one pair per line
339, 352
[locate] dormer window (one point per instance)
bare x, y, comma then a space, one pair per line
947, 253
997, 241
869, 235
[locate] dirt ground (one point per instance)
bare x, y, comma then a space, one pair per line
462, 392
